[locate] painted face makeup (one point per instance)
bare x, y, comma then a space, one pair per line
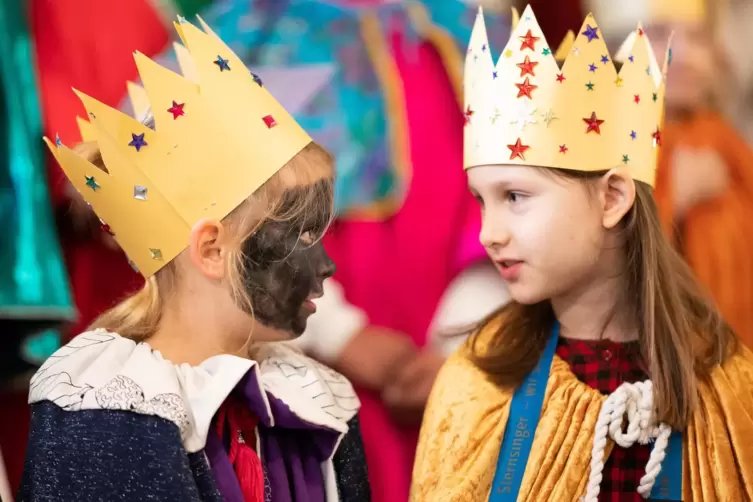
286, 262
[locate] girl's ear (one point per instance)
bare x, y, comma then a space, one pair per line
616, 195
207, 248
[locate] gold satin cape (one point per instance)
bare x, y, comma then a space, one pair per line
466, 417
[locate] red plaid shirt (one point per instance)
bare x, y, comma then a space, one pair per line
604, 365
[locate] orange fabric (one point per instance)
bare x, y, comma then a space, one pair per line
716, 236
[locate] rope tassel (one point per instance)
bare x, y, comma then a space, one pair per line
634, 402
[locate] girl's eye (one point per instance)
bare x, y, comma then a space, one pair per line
514, 197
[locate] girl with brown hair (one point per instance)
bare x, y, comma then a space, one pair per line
610, 376
181, 392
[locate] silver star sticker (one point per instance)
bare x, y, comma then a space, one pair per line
495, 115
139, 192
548, 117
523, 115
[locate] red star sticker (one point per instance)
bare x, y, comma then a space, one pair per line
177, 110
560, 78
525, 89
270, 121
657, 137
468, 114
518, 150
593, 124
637, 98
529, 41
527, 66
563, 148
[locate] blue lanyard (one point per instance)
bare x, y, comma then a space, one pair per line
525, 411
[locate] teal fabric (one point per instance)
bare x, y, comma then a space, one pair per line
34, 289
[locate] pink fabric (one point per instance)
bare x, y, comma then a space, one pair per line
398, 270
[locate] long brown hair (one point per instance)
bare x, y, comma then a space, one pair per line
138, 316
681, 334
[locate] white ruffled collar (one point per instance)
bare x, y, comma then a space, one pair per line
102, 370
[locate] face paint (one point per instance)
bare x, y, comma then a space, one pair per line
286, 263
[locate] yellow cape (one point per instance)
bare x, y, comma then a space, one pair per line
466, 417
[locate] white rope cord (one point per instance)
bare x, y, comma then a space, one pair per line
637, 402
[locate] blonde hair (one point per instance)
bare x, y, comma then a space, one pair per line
682, 336
138, 316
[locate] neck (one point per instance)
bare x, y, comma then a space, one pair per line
597, 311
192, 330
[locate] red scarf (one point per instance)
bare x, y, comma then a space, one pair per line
235, 415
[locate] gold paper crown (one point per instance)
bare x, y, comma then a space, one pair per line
585, 116
219, 135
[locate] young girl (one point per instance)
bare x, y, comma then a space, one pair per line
221, 206
551, 398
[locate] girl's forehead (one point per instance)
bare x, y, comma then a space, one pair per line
494, 174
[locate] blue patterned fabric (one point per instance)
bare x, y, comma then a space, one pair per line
349, 116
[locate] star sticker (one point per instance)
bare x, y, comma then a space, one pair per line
525, 89
631, 58
91, 182
257, 79
633, 134
548, 117
637, 98
640, 32
529, 41
592, 68
137, 141
590, 86
546, 51
518, 150
156, 253
655, 97
523, 115
625, 159
58, 142
604, 59
483, 48
619, 81
648, 70
563, 148
177, 110
494, 75
223, 64
657, 138
468, 114
560, 78
594, 124
527, 67
591, 32
508, 53
106, 228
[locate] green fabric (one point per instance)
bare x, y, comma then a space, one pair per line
34, 289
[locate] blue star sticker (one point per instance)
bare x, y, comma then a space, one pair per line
494, 75
138, 141
604, 59
633, 134
483, 48
592, 33
631, 58
257, 79
222, 63
592, 68
91, 182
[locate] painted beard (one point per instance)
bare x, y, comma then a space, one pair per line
282, 272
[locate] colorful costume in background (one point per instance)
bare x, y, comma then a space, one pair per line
528, 110
111, 418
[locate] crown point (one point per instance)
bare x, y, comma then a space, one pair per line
137, 141
518, 150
